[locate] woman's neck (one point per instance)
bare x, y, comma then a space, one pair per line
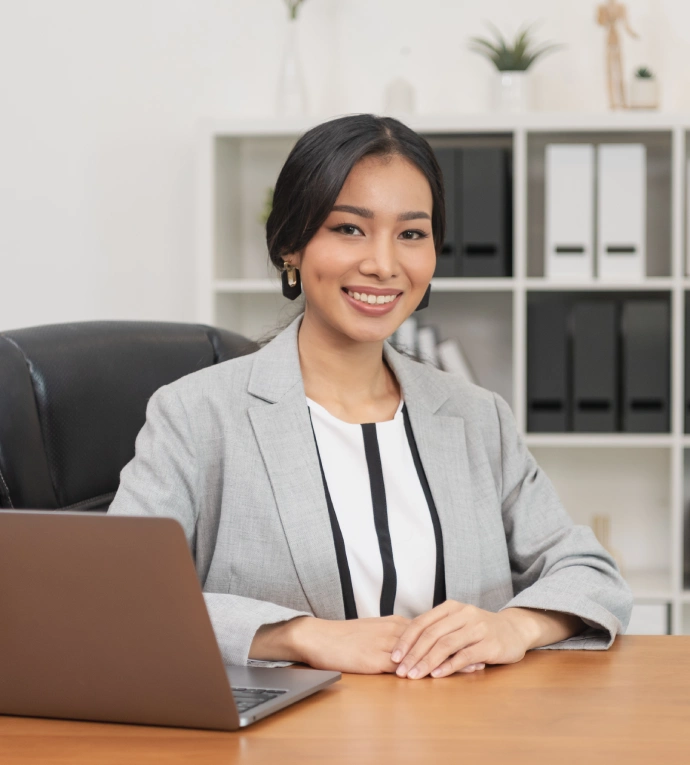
350, 379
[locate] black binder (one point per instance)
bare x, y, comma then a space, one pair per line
485, 202
595, 366
447, 260
646, 361
547, 367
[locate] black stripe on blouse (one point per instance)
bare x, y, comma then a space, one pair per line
378, 501
440, 581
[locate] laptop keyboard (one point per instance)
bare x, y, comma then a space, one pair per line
248, 698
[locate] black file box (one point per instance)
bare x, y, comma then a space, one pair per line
447, 261
485, 202
594, 327
547, 367
645, 352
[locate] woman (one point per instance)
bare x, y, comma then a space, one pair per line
347, 506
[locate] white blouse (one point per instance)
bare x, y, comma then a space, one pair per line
389, 530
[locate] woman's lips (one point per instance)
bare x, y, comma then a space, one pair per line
371, 309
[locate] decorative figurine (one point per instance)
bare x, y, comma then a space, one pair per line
610, 15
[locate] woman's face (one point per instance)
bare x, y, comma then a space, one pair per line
376, 244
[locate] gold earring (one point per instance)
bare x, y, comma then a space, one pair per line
291, 273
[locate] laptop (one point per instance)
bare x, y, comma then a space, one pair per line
102, 618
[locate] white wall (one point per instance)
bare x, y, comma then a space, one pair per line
99, 100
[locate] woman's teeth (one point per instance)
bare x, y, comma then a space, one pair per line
371, 298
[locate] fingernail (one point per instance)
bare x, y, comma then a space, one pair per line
413, 674
438, 671
397, 655
401, 670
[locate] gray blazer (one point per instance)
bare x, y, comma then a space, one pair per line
229, 452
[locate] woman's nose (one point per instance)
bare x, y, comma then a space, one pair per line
382, 260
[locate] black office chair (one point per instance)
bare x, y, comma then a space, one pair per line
73, 398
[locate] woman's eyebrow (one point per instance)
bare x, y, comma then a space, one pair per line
365, 212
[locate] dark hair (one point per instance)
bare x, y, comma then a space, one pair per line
318, 165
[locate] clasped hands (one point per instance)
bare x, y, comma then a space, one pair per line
452, 637
455, 637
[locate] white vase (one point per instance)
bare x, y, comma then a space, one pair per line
399, 97
511, 92
644, 93
291, 96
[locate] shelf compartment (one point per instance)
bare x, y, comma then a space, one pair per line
557, 357
243, 168
632, 488
658, 214
478, 180
482, 324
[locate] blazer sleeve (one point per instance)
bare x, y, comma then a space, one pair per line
163, 479
556, 565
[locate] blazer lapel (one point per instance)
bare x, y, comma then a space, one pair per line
283, 432
442, 449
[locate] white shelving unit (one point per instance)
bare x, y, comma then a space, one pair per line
642, 481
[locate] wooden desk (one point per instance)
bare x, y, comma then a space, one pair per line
630, 704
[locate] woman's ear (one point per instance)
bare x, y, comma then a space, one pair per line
294, 259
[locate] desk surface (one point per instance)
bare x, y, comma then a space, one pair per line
629, 704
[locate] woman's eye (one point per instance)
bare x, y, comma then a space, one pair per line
414, 234
348, 229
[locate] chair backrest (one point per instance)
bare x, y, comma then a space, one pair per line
73, 398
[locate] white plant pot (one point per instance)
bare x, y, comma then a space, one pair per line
644, 93
511, 92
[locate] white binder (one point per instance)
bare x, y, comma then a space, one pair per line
622, 209
426, 345
453, 359
569, 211
406, 335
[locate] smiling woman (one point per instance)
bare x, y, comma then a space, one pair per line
347, 506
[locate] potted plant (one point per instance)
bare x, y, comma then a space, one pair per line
644, 90
512, 60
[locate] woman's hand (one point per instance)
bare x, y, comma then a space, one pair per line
454, 637
362, 646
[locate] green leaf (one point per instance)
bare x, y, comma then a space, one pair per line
482, 46
500, 39
518, 55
